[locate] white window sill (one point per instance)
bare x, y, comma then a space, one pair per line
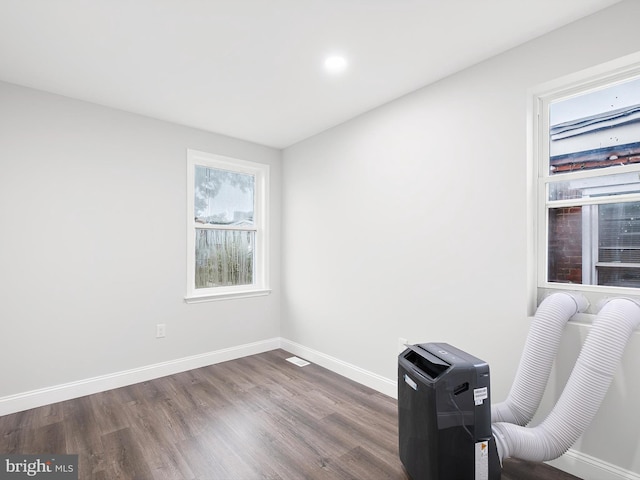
213, 297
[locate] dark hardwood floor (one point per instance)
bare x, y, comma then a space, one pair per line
258, 417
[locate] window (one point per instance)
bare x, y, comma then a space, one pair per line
227, 230
587, 145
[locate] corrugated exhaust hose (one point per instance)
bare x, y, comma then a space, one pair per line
583, 393
537, 358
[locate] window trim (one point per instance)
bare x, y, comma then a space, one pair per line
538, 100
260, 171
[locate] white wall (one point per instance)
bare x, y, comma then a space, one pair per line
410, 221
93, 243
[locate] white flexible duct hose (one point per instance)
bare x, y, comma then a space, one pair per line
583, 394
537, 358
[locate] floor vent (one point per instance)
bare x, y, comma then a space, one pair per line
298, 361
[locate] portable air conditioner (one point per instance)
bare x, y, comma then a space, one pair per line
444, 415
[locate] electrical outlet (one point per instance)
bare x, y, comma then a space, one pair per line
402, 344
161, 330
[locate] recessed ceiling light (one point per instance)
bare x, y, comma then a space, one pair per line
335, 64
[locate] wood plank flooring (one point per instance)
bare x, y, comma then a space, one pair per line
257, 417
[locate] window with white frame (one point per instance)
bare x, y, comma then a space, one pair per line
227, 227
588, 184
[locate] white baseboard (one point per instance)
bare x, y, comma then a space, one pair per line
591, 468
67, 391
353, 372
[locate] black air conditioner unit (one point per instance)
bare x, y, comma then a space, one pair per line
444, 415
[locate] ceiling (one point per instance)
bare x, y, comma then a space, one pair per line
253, 69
